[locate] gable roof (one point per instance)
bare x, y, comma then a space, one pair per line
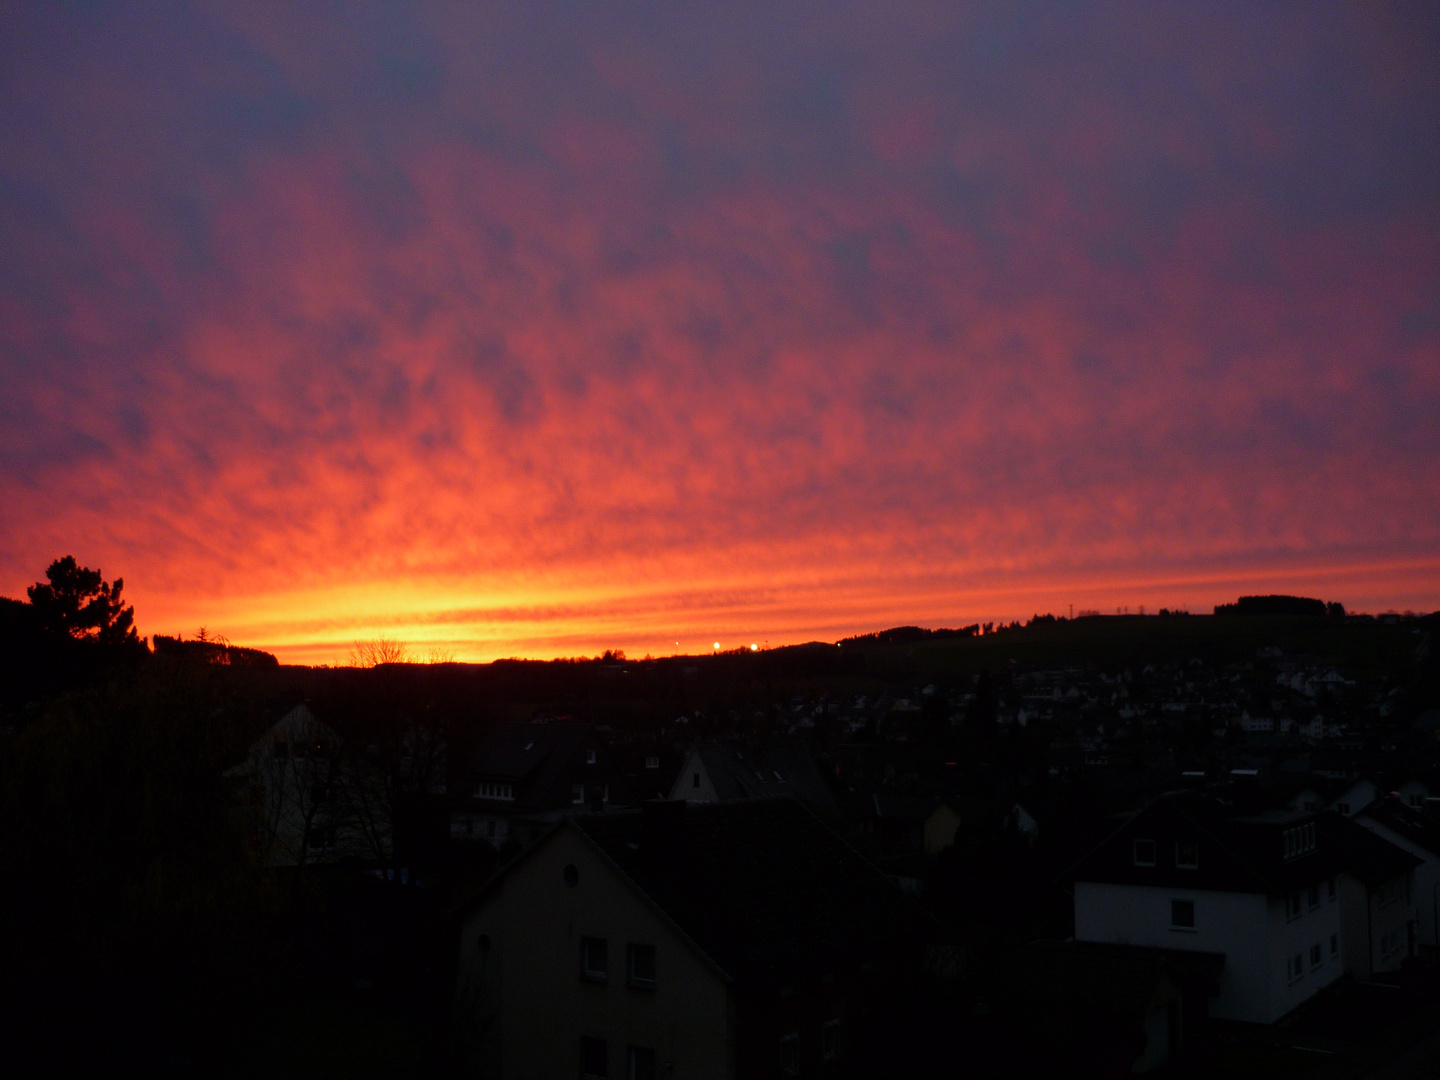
1371, 858
762, 886
1420, 827
738, 770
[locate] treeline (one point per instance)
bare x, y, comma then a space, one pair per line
1276, 604
901, 635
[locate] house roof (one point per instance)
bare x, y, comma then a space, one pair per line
1236, 854
542, 760
740, 770
1372, 859
761, 886
1420, 827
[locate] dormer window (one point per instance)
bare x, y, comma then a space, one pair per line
1299, 840
1144, 851
652, 762
1187, 855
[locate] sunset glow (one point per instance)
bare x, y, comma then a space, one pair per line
540, 330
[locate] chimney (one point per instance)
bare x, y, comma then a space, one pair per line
662, 827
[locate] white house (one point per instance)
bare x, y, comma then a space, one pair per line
1264, 892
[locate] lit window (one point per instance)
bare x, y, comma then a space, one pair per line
1144, 852
1187, 855
1182, 914
640, 966
652, 762
594, 1058
790, 1054
594, 960
640, 1063
830, 1040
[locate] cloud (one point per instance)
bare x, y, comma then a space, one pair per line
295, 302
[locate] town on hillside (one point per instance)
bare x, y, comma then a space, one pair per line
1191, 845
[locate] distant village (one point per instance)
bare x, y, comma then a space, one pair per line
1190, 858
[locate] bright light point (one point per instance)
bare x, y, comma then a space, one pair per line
717, 644
754, 648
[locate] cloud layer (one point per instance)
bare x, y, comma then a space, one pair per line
545, 328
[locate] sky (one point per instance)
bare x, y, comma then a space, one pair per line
540, 329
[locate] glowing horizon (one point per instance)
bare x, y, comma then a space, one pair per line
546, 331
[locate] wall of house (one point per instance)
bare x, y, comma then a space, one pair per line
1390, 916
940, 829
685, 783
1425, 895
522, 1006
1250, 929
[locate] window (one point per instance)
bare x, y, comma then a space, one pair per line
590, 757
790, 1054
1299, 840
282, 748
1144, 852
577, 794
594, 1058
1417, 801
1343, 807
1295, 968
640, 1063
1187, 855
695, 780
830, 1040
640, 966
1315, 956
495, 791
652, 762
1182, 914
1293, 906
594, 961
1330, 889
1314, 896
1334, 946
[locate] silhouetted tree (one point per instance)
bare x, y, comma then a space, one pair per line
79, 603
381, 650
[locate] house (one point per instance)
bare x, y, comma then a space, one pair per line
519, 779
1377, 891
724, 939
1417, 832
734, 769
304, 801
1185, 873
